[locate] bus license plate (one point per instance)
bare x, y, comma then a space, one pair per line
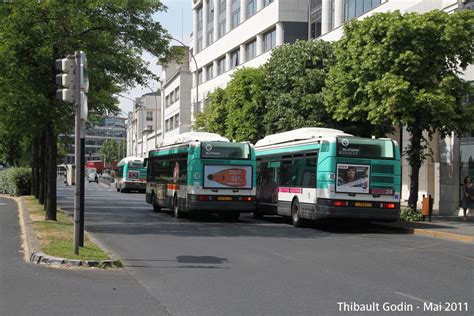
224, 198
363, 204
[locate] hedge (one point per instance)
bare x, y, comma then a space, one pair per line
15, 181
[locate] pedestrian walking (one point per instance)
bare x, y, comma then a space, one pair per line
468, 196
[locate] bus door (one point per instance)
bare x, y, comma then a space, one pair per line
267, 190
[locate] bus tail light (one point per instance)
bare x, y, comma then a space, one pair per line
388, 205
340, 203
246, 198
205, 198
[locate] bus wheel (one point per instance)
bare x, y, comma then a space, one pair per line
177, 213
295, 214
156, 206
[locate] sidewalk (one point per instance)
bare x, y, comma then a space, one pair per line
443, 227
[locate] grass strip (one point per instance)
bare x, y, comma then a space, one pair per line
57, 238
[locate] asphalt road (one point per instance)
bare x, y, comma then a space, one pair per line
30, 289
205, 266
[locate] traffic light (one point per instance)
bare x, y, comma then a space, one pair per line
66, 79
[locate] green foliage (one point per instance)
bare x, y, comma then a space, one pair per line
395, 69
403, 69
109, 150
294, 80
33, 34
409, 214
213, 118
15, 181
237, 111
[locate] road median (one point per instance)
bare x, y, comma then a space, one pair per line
51, 242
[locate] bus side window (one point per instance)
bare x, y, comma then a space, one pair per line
309, 175
263, 172
285, 173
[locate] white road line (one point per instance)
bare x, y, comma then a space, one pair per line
417, 299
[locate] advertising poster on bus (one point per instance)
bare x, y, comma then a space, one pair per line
234, 177
352, 178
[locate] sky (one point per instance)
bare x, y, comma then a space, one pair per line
178, 21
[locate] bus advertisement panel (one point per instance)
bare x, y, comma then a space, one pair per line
352, 178
234, 177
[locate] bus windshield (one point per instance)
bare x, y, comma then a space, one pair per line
135, 164
223, 150
354, 147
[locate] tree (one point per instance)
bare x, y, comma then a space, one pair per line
294, 80
213, 118
109, 151
35, 33
404, 69
236, 112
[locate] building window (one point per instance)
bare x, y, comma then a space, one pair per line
235, 13
251, 50
267, 2
172, 97
176, 94
209, 72
316, 17
176, 120
469, 5
269, 40
199, 76
210, 22
235, 58
199, 34
355, 8
220, 66
222, 18
149, 116
251, 8
167, 103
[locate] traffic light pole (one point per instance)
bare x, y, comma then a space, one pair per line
79, 188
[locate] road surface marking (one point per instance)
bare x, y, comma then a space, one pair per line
416, 298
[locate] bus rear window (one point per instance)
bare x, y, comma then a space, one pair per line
354, 147
135, 164
222, 150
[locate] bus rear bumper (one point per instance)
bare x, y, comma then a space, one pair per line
221, 206
358, 213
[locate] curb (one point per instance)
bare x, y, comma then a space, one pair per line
33, 255
430, 233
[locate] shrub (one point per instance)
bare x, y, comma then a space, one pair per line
410, 215
15, 181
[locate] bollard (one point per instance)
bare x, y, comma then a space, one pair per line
425, 207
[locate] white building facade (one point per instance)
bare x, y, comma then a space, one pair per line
144, 125
231, 34
176, 93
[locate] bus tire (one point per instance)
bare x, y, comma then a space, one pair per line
177, 213
295, 214
156, 206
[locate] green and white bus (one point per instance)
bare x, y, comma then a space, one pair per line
202, 172
130, 175
313, 173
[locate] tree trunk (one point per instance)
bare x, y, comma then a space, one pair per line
415, 160
33, 167
46, 165
41, 165
51, 205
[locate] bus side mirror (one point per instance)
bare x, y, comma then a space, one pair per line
145, 162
